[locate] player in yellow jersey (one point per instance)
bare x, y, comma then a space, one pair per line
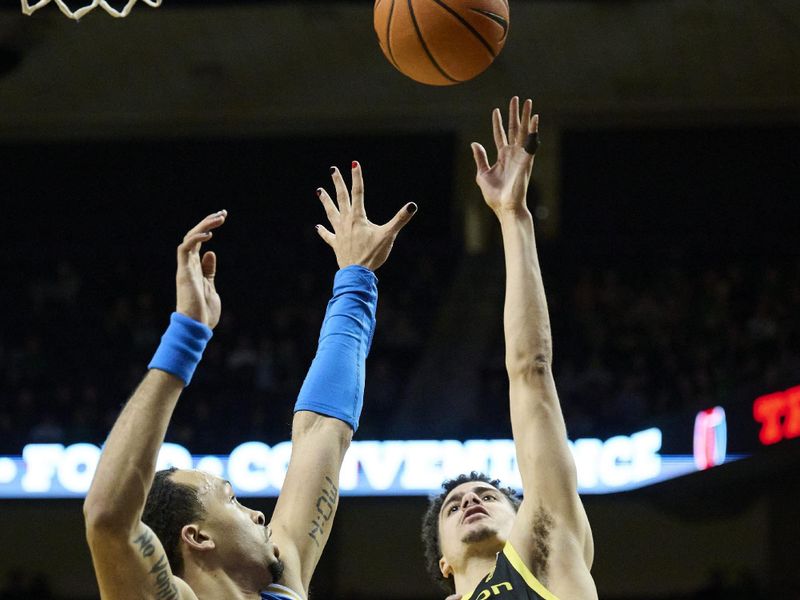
481, 541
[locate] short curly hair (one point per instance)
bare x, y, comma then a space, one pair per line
169, 507
430, 522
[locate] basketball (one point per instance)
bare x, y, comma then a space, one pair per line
441, 42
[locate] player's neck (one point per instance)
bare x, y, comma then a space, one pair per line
475, 569
213, 584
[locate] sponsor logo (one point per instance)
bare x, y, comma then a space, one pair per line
779, 415
710, 438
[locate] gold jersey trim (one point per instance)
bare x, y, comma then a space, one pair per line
516, 562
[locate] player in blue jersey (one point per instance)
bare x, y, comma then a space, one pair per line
481, 541
182, 533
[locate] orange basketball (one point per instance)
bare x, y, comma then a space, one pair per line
441, 42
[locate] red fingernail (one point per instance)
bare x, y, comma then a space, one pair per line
333, 170
319, 192
355, 164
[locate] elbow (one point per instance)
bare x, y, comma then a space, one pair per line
92, 509
529, 356
530, 367
100, 517
313, 426
96, 516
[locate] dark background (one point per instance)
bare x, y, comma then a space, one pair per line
666, 205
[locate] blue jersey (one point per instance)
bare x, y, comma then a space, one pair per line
510, 580
279, 592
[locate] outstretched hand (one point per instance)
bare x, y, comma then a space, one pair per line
196, 295
505, 183
354, 239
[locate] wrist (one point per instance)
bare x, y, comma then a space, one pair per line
181, 347
355, 278
165, 378
513, 214
355, 269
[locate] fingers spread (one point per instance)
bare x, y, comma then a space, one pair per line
526, 121
513, 119
499, 133
330, 208
531, 142
479, 154
357, 192
534, 124
326, 235
402, 217
209, 264
342, 196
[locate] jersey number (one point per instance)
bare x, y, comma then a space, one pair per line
485, 594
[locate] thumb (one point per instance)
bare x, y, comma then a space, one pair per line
209, 264
479, 154
454, 597
402, 217
326, 235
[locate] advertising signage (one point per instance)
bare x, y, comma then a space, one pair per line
371, 468
677, 446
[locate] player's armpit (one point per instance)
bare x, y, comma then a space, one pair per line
303, 517
134, 565
553, 552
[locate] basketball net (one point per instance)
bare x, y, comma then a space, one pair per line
29, 9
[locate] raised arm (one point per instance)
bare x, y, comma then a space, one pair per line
551, 520
329, 405
128, 558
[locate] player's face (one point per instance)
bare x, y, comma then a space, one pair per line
241, 539
474, 513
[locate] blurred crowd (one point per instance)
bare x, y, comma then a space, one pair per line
630, 343
22, 585
638, 341
73, 349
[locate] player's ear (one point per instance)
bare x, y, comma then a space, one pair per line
445, 568
196, 538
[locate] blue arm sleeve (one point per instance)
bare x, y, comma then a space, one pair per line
334, 385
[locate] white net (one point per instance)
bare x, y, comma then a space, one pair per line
29, 9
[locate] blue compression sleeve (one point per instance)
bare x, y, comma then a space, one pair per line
181, 347
334, 385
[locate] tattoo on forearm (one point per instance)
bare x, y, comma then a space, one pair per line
165, 587
326, 505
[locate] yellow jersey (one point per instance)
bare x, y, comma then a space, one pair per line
510, 580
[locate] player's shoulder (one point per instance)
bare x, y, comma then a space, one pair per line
554, 548
184, 591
